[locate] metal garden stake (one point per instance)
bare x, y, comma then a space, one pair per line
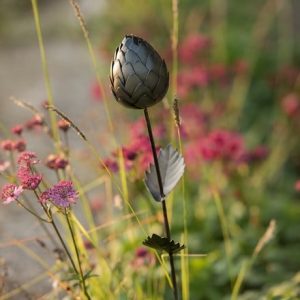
139, 79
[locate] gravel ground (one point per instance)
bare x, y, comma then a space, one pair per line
21, 76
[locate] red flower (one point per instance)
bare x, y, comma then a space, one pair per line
10, 192
56, 162
27, 158
96, 92
17, 129
7, 145
63, 124
29, 181
291, 105
20, 145
297, 186
192, 47
35, 122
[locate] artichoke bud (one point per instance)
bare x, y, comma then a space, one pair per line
138, 75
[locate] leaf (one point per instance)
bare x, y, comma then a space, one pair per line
90, 275
72, 276
162, 243
171, 166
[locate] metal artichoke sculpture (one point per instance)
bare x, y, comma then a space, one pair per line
138, 75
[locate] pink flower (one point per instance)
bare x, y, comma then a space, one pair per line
56, 162
219, 73
29, 181
10, 192
297, 186
291, 105
35, 122
192, 47
143, 257
20, 145
222, 144
111, 164
45, 104
193, 121
129, 154
64, 125
7, 145
27, 158
137, 128
44, 197
96, 204
61, 194
192, 78
255, 155
17, 129
96, 92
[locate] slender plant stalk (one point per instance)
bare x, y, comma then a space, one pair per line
64, 246
91, 50
77, 255
54, 129
174, 43
12, 161
163, 202
52, 222
225, 232
44, 226
174, 40
33, 213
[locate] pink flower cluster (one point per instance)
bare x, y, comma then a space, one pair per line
297, 186
10, 192
196, 72
143, 257
193, 46
61, 194
222, 144
26, 175
217, 145
56, 162
18, 145
36, 122
29, 179
138, 154
195, 77
291, 105
63, 125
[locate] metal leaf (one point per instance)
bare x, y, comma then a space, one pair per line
171, 165
162, 244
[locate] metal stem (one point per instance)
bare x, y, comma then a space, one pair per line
163, 202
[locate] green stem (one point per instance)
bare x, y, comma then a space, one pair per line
45, 228
33, 213
54, 129
12, 161
64, 245
77, 255
225, 231
50, 216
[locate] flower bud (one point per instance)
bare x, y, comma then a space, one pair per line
138, 75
